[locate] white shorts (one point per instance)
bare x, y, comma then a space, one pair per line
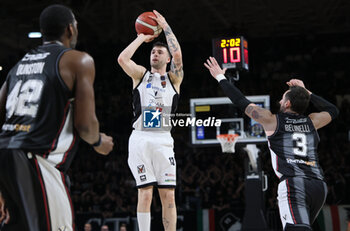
151, 159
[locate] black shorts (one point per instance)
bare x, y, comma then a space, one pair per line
300, 200
35, 193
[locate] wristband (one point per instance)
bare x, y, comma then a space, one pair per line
220, 77
98, 143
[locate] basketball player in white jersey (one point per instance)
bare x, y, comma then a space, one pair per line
293, 140
151, 155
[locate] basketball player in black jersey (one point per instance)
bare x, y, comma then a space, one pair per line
46, 104
151, 156
293, 141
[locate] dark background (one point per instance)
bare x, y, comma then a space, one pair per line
304, 39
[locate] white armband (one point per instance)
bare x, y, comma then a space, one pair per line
220, 77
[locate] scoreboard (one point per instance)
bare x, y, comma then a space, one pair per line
231, 52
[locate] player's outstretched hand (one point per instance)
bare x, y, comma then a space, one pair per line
147, 38
214, 67
160, 19
106, 145
4, 212
297, 82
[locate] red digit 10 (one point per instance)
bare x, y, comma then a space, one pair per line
235, 55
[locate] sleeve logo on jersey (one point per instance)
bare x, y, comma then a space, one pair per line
152, 118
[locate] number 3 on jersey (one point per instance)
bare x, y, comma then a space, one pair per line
300, 143
23, 99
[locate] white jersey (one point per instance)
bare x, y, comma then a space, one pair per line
154, 93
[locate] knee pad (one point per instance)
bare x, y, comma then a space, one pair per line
297, 227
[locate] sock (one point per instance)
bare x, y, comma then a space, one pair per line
144, 221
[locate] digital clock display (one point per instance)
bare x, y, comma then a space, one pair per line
231, 52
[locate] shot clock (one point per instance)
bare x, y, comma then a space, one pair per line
231, 52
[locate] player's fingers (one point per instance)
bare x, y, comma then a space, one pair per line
206, 65
214, 61
210, 64
157, 13
225, 69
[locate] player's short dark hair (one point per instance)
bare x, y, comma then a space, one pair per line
299, 99
54, 19
161, 44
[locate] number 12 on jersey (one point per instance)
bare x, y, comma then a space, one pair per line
300, 147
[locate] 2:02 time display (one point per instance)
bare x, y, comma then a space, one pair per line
230, 42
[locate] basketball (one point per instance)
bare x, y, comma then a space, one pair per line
146, 25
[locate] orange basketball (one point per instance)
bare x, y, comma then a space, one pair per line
145, 25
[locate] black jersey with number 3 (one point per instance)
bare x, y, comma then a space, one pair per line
39, 107
293, 147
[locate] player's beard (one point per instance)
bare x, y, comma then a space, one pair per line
158, 65
282, 108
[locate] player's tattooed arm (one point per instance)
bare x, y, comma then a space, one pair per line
261, 115
177, 69
254, 111
174, 47
173, 44
175, 51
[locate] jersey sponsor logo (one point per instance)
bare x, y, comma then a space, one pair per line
297, 128
154, 88
299, 161
170, 180
34, 57
141, 169
16, 127
154, 102
30, 69
296, 121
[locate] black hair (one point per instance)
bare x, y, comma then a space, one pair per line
161, 44
299, 99
54, 19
